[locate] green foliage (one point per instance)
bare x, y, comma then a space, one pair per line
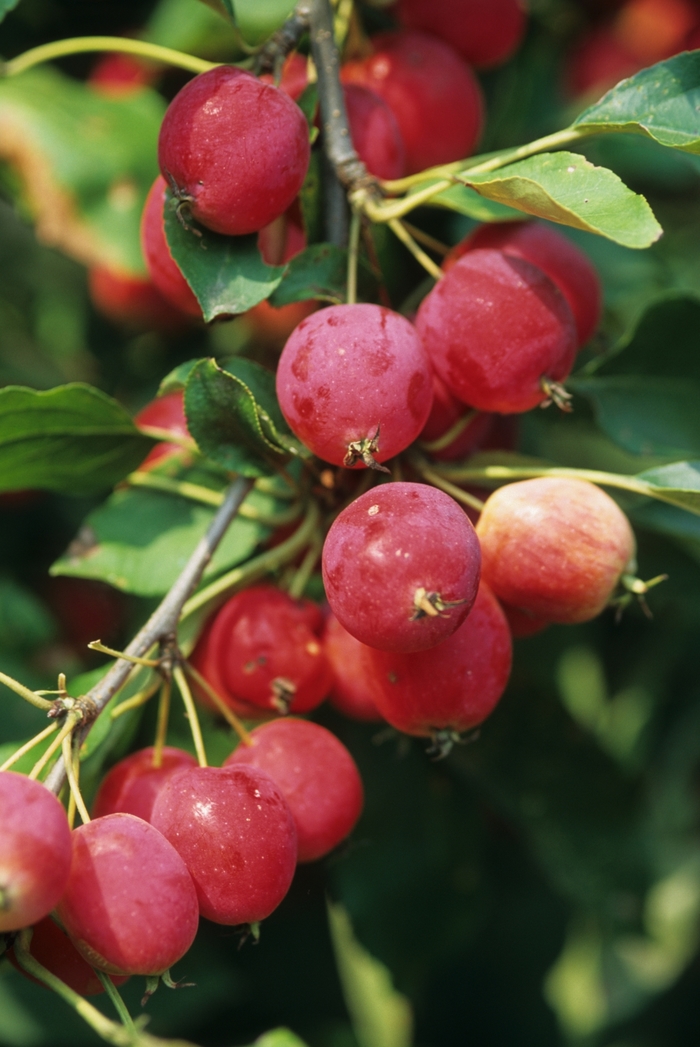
5, 6
226, 273
660, 102
319, 271
72, 439
564, 187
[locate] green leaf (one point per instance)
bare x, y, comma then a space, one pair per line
279, 1038
678, 484
564, 187
72, 439
86, 201
234, 416
646, 415
470, 203
381, 1016
319, 271
672, 322
661, 102
140, 540
177, 378
258, 19
5, 6
25, 622
226, 273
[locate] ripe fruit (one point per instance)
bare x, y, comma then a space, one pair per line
234, 149
54, 950
564, 263
375, 132
354, 384
523, 624
161, 265
444, 414
262, 654
132, 302
316, 775
131, 786
431, 91
130, 906
485, 32
279, 242
452, 687
235, 832
35, 857
119, 75
164, 413
401, 566
352, 691
554, 548
497, 331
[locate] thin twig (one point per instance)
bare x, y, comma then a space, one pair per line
24, 692
286, 39
400, 231
28, 746
163, 621
70, 751
86, 44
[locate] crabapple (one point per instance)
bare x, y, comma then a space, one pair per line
131, 786
485, 32
444, 413
351, 693
316, 775
35, 858
354, 384
234, 149
564, 263
521, 623
499, 333
295, 75
161, 265
375, 132
52, 948
130, 906
401, 566
278, 243
133, 302
262, 653
431, 91
165, 412
554, 548
118, 75
235, 832
451, 687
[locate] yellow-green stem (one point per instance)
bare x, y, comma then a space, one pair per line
82, 44
400, 231
162, 725
53, 748
72, 762
28, 746
450, 435
192, 717
117, 1002
24, 692
506, 473
97, 645
456, 492
136, 700
207, 496
353, 248
228, 714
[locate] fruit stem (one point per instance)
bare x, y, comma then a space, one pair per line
24, 692
27, 747
228, 714
449, 488
427, 240
258, 566
71, 760
81, 44
162, 724
353, 249
450, 435
136, 700
305, 570
97, 645
163, 622
112, 1032
192, 717
54, 747
208, 496
399, 230
117, 1002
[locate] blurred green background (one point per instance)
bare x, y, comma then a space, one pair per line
541, 886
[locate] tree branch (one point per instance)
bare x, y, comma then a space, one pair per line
162, 624
286, 39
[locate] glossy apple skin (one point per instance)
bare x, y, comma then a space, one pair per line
278, 243
316, 775
351, 694
236, 148
375, 132
485, 32
165, 412
350, 370
236, 835
161, 265
565, 264
130, 906
453, 686
35, 856
554, 548
494, 327
132, 785
431, 91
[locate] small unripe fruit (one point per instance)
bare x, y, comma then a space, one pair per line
554, 548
